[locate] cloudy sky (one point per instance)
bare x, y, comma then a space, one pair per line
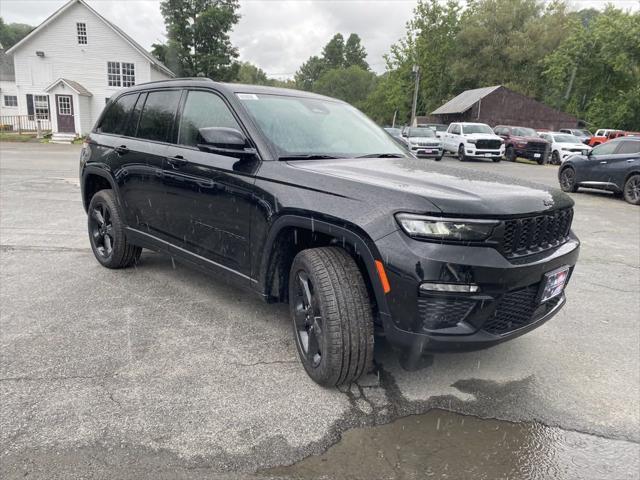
276, 35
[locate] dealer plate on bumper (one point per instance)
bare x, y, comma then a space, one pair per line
553, 283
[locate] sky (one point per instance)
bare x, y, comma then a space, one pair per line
276, 35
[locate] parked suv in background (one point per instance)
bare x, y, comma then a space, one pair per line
423, 142
582, 134
302, 199
523, 142
472, 140
564, 145
612, 166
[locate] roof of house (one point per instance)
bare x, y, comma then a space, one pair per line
75, 86
154, 61
7, 72
465, 100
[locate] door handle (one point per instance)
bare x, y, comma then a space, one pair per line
121, 150
631, 160
177, 161
603, 162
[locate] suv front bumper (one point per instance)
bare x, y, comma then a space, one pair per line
506, 304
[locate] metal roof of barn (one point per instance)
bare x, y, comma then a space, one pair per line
465, 100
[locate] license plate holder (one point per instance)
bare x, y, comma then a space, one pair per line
553, 284
536, 155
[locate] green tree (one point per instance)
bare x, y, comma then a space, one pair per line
352, 84
355, 53
12, 33
333, 52
198, 33
309, 73
250, 74
595, 71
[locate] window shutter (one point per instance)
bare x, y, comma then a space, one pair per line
30, 109
49, 108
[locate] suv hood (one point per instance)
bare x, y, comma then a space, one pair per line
581, 146
517, 138
434, 140
453, 191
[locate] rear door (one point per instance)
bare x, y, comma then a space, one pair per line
209, 195
143, 155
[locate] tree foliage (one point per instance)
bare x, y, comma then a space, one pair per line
198, 37
12, 33
354, 52
352, 84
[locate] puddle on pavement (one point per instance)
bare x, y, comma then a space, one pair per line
441, 444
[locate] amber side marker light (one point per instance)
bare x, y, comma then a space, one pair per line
383, 277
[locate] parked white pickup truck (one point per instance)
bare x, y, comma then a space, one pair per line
472, 140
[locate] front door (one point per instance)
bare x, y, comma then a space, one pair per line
64, 110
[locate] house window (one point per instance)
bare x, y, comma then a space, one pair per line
10, 101
121, 74
113, 74
128, 74
82, 33
64, 105
41, 105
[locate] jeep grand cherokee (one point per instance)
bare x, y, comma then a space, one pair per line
302, 199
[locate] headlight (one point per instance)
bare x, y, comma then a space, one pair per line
436, 228
472, 141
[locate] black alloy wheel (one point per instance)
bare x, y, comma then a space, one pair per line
101, 230
632, 189
107, 232
307, 319
568, 180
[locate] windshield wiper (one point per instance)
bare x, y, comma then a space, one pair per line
382, 155
310, 156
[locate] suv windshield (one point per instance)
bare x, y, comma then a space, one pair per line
524, 132
566, 139
421, 132
311, 127
476, 128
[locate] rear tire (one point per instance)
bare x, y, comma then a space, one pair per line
632, 189
331, 316
510, 154
106, 232
568, 180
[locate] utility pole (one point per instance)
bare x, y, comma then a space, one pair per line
416, 73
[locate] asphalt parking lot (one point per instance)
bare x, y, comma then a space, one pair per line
162, 372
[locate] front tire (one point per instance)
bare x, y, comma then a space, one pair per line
461, 155
437, 159
106, 232
510, 154
331, 315
568, 180
555, 158
632, 189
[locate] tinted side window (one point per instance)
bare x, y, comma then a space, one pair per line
115, 119
203, 109
605, 148
158, 114
456, 130
629, 147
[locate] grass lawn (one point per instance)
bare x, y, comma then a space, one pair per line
15, 137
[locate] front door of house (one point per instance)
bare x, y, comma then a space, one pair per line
64, 108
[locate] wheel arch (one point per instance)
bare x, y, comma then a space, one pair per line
279, 253
93, 180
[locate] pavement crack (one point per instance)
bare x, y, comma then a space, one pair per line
273, 362
37, 248
28, 378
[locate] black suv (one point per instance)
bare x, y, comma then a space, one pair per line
303, 199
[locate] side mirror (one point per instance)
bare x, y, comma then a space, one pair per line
222, 140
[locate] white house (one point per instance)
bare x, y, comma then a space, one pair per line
68, 67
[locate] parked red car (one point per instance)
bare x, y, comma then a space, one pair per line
604, 135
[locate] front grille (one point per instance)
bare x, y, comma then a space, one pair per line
536, 147
488, 144
524, 236
427, 144
517, 309
441, 312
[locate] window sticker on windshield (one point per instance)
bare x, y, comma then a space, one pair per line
247, 96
